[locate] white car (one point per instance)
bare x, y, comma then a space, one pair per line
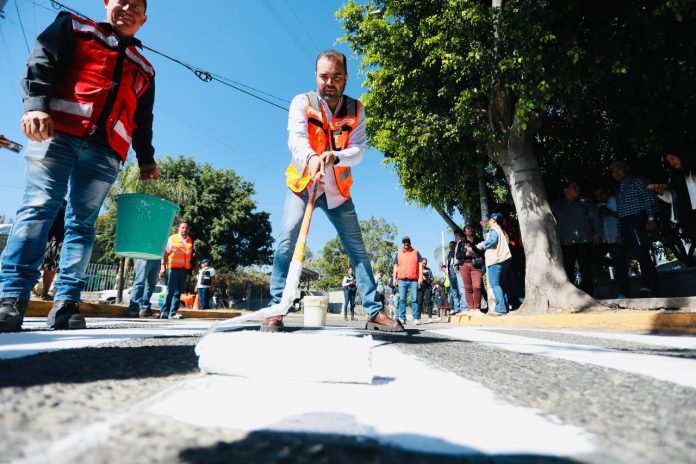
158, 295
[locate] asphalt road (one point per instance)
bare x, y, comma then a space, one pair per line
474, 395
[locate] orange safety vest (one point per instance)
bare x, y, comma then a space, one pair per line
407, 264
180, 252
326, 135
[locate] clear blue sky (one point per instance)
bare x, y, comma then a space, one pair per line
267, 44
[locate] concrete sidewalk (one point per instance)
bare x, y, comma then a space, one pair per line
41, 308
644, 315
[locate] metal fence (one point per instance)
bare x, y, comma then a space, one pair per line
102, 277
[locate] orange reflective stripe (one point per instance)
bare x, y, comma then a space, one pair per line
323, 136
180, 252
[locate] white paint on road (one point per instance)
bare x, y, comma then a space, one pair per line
677, 370
680, 342
393, 410
17, 345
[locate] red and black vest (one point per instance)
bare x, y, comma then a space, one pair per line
85, 90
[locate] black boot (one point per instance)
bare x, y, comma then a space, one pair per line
12, 313
65, 315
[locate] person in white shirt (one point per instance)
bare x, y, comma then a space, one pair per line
326, 136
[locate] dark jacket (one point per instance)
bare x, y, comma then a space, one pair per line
50, 62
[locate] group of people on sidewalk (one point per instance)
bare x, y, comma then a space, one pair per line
625, 222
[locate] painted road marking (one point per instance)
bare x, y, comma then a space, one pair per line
383, 410
17, 345
681, 342
677, 370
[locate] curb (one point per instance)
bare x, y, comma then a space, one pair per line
42, 308
651, 322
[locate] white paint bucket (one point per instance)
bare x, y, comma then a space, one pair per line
315, 308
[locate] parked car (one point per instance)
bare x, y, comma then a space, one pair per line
109, 296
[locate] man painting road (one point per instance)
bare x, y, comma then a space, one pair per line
326, 137
88, 96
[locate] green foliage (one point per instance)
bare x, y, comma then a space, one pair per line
379, 237
216, 203
449, 82
243, 283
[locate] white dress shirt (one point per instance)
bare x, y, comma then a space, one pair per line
298, 142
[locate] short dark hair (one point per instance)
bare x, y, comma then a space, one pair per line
145, 5
333, 55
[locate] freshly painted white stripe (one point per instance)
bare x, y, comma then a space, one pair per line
682, 342
389, 410
140, 61
677, 370
17, 345
120, 129
65, 106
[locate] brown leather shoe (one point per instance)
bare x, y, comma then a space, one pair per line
383, 323
272, 324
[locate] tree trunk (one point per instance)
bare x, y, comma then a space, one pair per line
450, 222
546, 284
483, 198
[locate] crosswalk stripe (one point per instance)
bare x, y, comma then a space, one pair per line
386, 410
677, 370
682, 342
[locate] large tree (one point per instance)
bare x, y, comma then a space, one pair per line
455, 84
221, 212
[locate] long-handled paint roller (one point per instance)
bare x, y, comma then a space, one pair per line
294, 273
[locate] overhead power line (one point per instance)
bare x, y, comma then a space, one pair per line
202, 74
21, 23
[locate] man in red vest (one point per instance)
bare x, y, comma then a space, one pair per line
326, 137
88, 96
408, 276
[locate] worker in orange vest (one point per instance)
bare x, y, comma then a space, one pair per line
176, 265
326, 137
408, 276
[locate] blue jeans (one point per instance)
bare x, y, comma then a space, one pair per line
146, 275
348, 301
84, 170
496, 274
203, 297
412, 287
455, 296
176, 284
637, 238
345, 220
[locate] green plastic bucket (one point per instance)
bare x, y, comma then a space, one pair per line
143, 225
